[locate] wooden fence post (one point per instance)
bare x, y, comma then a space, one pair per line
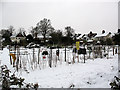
50, 60
38, 55
119, 61
10, 56
17, 63
84, 54
108, 53
113, 50
65, 53
33, 55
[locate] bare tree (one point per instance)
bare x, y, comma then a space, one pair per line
34, 31
21, 29
69, 31
44, 26
11, 29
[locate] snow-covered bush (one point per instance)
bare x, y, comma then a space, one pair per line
115, 84
11, 80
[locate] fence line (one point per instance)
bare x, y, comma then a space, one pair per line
43, 61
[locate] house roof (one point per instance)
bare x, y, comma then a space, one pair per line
102, 35
4, 29
78, 37
12, 36
90, 41
92, 34
19, 35
40, 36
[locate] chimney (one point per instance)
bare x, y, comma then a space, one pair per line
118, 30
103, 31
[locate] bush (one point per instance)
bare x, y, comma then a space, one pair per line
115, 85
13, 80
109, 41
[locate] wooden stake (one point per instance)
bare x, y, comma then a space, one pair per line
50, 60
14, 53
33, 55
65, 53
59, 53
108, 52
119, 61
10, 56
78, 56
17, 63
113, 50
116, 50
84, 55
38, 55
73, 57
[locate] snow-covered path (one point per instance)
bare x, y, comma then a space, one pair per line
92, 74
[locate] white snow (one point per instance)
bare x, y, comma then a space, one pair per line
90, 41
97, 73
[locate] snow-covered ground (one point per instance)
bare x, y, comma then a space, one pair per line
97, 73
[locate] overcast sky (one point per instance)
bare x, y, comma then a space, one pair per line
83, 16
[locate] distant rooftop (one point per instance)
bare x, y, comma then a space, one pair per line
19, 35
4, 28
102, 35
